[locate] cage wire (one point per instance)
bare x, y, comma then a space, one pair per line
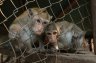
76, 11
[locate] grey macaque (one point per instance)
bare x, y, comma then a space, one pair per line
27, 28
64, 35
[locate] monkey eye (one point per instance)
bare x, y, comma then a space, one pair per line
38, 20
44, 22
54, 33
48, 33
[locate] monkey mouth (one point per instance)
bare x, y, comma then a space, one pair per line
38, 32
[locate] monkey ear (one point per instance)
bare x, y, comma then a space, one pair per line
58, 29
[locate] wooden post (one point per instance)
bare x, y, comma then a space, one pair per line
93, 10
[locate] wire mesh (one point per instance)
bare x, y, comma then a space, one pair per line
76, 11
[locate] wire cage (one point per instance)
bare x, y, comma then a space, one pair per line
75, 11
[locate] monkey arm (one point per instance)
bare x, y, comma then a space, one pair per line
13, 30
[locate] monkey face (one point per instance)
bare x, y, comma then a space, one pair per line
52, 36
40, 19
39, 25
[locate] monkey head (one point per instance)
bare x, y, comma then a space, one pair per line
40, 19
51, 33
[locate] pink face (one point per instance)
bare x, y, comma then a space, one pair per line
39, 25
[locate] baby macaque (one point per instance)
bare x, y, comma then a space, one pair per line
64, 35
27, 28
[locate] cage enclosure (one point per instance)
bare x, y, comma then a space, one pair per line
74, 11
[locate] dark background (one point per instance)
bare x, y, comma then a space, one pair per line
77, 8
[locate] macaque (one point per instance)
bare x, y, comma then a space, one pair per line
64, 35
26, 29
